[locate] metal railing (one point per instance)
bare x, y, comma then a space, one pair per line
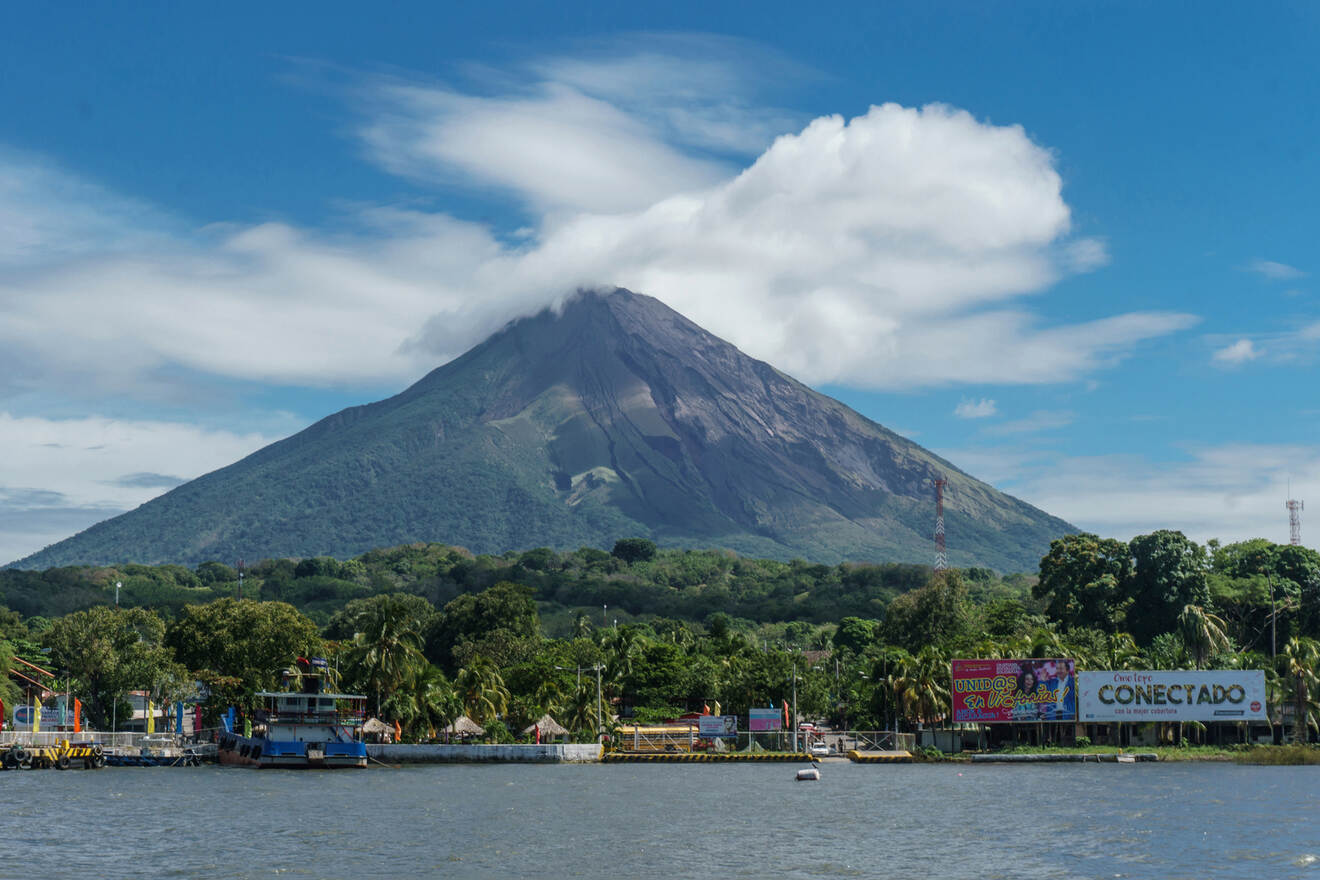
117, 740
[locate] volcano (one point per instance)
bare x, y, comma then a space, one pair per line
611, 417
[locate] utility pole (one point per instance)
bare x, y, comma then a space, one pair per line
795, 715
1274, 620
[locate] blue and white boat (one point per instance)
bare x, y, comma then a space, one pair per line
305, 726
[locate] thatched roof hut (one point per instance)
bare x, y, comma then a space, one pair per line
375, 725
464, 726
548, 726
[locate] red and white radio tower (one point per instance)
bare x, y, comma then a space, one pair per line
1295, 522
941, 558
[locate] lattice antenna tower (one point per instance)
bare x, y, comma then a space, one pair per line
1295, 521
941, 557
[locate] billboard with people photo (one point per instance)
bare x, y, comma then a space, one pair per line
1014, 691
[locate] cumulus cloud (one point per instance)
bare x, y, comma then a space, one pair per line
885, 251
975, 409
1239, 352
61, 475
1275, 271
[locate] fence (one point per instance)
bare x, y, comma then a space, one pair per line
127, 740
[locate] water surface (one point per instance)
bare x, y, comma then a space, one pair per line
641, 820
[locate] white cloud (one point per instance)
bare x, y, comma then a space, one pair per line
1275, 271
882, 252
1293, 346
1238, 353
65, 474
1037, 422
976, 409
557, 148
1231, 492
47, 214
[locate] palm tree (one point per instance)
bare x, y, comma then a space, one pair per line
425, 702
1203, 634
1120, 652
481, 689
921, 684
386, 648
1300, 657
581, 707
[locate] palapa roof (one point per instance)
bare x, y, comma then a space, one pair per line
465, 726
548, 725
375, 725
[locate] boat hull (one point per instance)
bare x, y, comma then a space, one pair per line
261, 753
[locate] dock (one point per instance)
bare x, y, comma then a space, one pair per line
1104, 758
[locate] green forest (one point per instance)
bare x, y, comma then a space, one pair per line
429, 632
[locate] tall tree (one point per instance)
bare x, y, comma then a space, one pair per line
1083, 580
244, 640
1169, 573
1299, 661
934, 614
502, 614
481, 688
108, 651
1202, 633
386, 649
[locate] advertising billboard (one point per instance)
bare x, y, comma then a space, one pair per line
1163, 695
760, 720
1014, 691
710, 726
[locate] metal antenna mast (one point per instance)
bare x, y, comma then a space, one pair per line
941, 558
1295, 521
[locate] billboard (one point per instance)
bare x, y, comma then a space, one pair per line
1008, 691
1163, 695
710, 726
759, 720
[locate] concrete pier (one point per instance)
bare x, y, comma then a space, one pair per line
439, 753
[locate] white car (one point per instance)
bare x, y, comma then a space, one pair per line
820, 750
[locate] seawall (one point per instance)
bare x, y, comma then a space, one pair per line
438, 753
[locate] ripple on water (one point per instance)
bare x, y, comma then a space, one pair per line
683, 820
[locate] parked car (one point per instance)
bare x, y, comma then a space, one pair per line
820, 750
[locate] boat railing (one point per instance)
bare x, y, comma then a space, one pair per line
331, 717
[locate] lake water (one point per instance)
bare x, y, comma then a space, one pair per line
640, 821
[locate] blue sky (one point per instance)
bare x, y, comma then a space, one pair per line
1069, 248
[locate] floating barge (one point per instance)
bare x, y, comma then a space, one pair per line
63, 755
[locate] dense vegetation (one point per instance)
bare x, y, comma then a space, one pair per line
429, 631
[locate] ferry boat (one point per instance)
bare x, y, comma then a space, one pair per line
303, 726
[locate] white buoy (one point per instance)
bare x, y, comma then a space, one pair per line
808, 774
